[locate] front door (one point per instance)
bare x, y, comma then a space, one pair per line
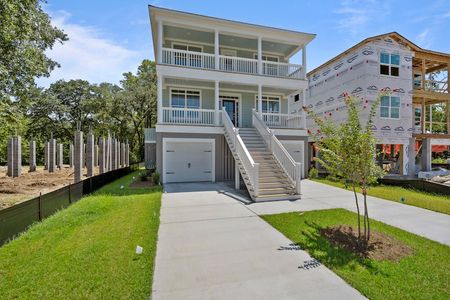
231, 107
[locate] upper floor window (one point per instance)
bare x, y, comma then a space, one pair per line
389, 64
270, 104
187, 47
184, 98
390, 107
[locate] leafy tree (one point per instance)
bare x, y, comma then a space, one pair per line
25, 35
347, 151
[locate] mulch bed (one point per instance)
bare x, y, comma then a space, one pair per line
380, 246
139, 184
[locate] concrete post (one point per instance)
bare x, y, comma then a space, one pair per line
78, 161
101, 155
17, 156
127, 157
32, 157
90, 154
10, 157
52, 155
119, 155
113, 154
412, 157
108, 153
84, 155
71, 155
46, 155
122, 155
59, 155
426, 154
95, 155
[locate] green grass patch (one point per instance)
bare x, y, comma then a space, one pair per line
87, 251
434, 202
423, 275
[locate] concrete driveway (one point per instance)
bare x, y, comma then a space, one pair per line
212, 246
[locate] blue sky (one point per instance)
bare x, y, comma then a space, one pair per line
108, 38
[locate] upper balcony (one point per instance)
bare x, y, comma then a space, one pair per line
199, 42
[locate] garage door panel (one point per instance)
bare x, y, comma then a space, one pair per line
296, 150
188, 161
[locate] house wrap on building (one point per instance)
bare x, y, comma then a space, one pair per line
417, 84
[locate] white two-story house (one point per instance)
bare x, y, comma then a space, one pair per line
224, 94
413, 120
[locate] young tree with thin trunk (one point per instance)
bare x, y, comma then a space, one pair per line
347, 151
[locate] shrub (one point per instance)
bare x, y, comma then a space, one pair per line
155, 178
313, 173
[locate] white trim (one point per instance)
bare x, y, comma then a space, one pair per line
239, 91
185, 91
303, 146
189, 129
189, 140
239, 100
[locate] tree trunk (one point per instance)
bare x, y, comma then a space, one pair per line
357, 209
366, 215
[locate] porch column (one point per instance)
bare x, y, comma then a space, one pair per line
426, 154
216, 102
160, 41
260, 100
303, 112
159, 97
412, 157
304, 61
404, 156
260, 68
216, 49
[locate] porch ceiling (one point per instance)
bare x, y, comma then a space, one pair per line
225, 86
225, 40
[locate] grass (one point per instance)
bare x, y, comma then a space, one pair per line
87, 250
423, 275
434, 202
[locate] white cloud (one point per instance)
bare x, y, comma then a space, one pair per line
88, 55
423, 39
356, 15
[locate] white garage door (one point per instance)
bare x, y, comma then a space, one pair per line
187, 160
296, 149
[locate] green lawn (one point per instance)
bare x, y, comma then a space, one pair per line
423, 275
439, 203
87, 251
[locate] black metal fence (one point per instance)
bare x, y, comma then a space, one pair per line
17, 218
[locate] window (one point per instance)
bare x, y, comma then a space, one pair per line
185, 99
389, 64
269, 69
297, 98
270, 104
417, 116
390, 107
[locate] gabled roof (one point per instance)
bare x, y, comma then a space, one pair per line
394, 35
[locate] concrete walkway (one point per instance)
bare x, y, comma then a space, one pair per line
212, 246
423, 222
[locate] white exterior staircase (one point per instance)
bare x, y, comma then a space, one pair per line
263, 170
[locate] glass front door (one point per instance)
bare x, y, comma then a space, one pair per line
231, 107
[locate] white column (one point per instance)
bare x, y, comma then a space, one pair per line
216, 101
159, 97
303, 112
260, 70
236, 176
260, 100
160, 41
304, 61
412, 157
216, 49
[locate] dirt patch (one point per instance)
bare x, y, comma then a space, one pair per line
380, 247
29, 185
139, 184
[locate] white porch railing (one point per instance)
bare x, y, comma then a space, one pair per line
279, 69
202, 60
190, 59
238, 64
292, 168
150, 135
191, 116
276, 120
237, 145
